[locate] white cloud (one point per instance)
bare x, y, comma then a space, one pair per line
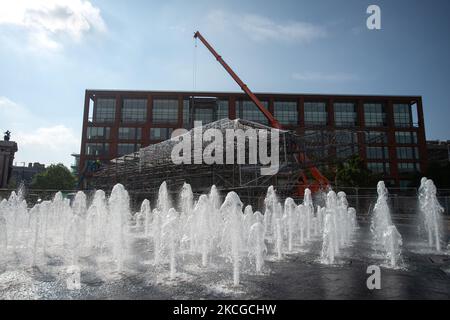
37, 141
48, 23
261, 29
327, 77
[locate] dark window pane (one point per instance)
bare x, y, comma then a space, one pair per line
165, 111
105, 110
286, 112
316, 113
134, 110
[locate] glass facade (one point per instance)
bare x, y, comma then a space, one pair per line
286, 112
130, 133
160, 133
316, 114
374, 115
402, 115
406, 137
407, 153
127, 148
165, 110
246, 109
222, 109
377, 153
98, 133
379, 167
97, 149
376, 137
408, 167
134, 110
105, 110
345, 114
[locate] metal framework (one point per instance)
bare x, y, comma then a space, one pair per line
142, 172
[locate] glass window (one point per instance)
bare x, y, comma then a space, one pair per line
105, 110
374, 115
407, 153
377, 153
316, 113
98, 132
286, 112
345, 114
127, 148
343, 152
346, 137
408, 167
222, 109
376, 137
160, 133
406, 137
186, 104
402, 115
379, 167
165, 111
97, 149
134, 110
130, 133
205, 115
249, 111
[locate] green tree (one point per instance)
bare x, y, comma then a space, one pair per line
354, 173
55, 177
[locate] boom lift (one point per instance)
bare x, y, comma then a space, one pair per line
321, 180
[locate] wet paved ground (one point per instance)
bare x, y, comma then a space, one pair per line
422, 275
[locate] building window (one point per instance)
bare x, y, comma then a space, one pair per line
222, 109
408, 167
374, 115
315, 113
407, 153
160, 133
376, 137
97, 149
345, 114
286, 112
186, 117
134, 110
165, 111
377, 153
249, 111
406, 137
105, 110
379, 167
205, 115
346, 137
130, 133
127, 148
98, 133
402, 115
344, 152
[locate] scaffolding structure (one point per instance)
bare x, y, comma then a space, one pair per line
143, 172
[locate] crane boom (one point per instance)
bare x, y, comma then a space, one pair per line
321, 179
273, 122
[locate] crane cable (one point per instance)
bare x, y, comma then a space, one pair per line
194, 67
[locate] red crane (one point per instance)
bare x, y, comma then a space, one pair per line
321, 180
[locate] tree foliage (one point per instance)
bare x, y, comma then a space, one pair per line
354, 173
55, 177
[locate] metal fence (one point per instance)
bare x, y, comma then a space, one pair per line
401, 201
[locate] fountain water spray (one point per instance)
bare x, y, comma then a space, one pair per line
431, 213
385, 235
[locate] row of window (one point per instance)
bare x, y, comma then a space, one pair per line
315, 114
384, 167
103, 133
102, 149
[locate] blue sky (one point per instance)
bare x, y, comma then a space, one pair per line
52, 50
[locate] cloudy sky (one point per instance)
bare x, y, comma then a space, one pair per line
52, 50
